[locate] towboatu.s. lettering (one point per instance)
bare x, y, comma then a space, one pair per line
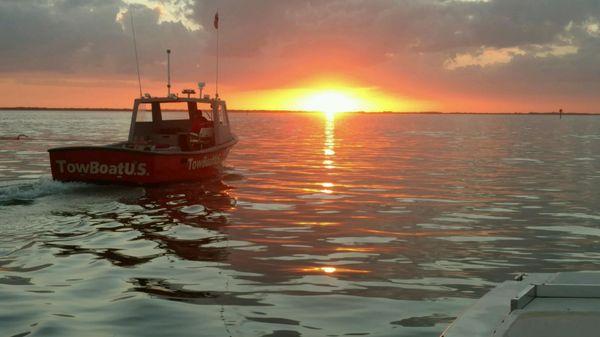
94, 167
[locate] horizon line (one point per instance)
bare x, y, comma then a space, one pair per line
24, 108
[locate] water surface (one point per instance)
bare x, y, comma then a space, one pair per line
374, 225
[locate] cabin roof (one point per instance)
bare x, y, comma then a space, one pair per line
176, 100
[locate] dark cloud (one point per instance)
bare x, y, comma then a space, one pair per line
71, 36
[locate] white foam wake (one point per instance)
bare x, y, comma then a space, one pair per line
22, 193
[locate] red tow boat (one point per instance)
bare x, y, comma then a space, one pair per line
171, 147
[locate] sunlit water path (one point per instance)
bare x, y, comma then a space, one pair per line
341, 225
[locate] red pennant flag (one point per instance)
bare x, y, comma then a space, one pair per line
216, 23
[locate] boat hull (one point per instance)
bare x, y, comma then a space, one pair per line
116, 165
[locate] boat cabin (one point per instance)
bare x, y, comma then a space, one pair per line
177, 124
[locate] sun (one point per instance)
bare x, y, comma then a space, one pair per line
330, 102
330, 96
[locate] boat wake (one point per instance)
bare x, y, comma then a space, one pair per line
26, 193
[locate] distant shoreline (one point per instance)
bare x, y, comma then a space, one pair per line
292, 111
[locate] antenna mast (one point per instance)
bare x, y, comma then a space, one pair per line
216, 24
137, 62
168, 72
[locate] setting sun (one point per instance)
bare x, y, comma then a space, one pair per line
330, 102
331, 95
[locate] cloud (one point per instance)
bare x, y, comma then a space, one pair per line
173, 11
485, 57
83, 37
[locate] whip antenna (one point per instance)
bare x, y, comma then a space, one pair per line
137, 62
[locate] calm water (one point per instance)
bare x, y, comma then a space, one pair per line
359, 225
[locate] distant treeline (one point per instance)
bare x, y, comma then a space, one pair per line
19, 108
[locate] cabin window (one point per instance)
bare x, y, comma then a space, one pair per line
222, 116
175, 111
144, 113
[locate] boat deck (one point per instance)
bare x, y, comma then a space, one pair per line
548, 305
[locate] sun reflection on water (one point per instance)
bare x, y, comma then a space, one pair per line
333, 270
329, 144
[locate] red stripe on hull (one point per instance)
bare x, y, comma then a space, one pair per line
118, 166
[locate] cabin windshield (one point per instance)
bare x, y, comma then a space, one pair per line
172, 111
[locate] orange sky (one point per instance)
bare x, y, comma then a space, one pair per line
310, 95
379, 55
